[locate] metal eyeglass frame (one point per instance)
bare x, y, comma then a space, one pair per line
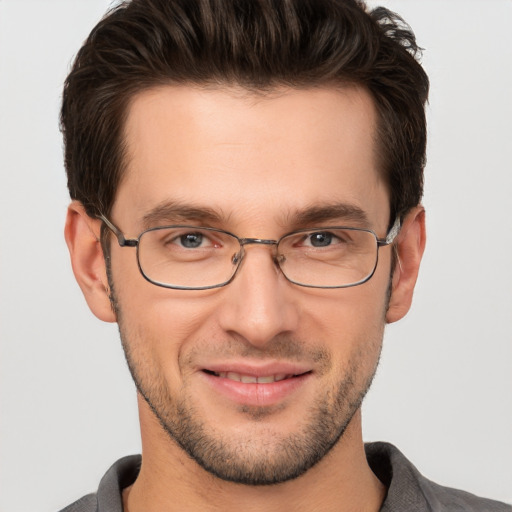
134, 242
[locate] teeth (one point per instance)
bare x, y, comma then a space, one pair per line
266, 380
251, 379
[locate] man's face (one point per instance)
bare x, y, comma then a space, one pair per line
264, 166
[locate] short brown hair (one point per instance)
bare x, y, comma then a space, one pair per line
258, 44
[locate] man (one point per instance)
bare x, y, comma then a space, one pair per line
246, 181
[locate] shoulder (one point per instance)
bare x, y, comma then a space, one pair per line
88, 503
409, 490
446, 498
108, 497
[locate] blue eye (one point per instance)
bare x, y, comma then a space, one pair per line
191, 240
321, 239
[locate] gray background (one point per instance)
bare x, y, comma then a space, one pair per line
443, 391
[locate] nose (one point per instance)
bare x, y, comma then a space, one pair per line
259, 304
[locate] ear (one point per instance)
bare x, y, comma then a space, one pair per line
409, 251
82, 235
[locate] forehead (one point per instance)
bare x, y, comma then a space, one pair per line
250, 156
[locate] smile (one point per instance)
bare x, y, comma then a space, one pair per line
253, 379
256, 387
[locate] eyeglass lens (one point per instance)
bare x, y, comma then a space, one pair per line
190, 257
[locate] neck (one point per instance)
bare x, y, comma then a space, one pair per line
170, 480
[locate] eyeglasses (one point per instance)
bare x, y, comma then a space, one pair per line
199, 258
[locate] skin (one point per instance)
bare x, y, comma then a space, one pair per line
257, 162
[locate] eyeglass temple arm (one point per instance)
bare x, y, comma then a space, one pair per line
392, 233
123, 241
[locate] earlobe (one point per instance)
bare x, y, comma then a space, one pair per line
409, 251
82, 235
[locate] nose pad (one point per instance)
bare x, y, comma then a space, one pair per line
277, 258
238, 257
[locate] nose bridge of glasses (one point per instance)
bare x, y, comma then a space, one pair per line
252, 241
263, 241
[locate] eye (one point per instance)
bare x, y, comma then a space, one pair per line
186, 239
322, 239
192, 240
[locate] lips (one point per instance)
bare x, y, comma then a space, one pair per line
254, 379
256, 385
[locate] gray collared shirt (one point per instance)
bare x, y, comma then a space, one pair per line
408, 490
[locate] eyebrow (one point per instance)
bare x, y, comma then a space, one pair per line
343, 212
172, 212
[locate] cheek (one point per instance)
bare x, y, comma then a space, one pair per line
351, 323
158, 325
153, 309
349, 311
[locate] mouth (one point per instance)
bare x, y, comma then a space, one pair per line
257, 386
254, 379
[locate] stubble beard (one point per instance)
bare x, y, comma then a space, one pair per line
249, 460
